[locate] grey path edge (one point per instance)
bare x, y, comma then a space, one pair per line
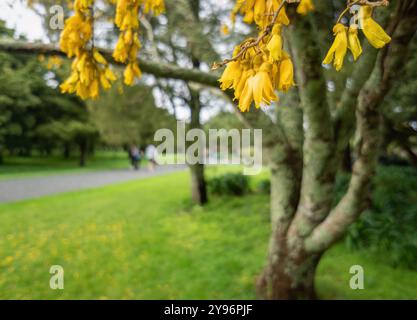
35, 187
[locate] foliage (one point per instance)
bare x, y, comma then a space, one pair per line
264, 186
129, 118
389, 225
400, 113
230, 184
34, 114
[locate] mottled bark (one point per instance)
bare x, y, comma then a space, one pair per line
318, 159
285, 162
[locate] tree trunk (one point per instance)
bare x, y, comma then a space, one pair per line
198, 184
290, 270
67, 151
346, 163
289, 278
83, 153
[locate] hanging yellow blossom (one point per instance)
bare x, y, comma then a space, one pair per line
155, 6
88, 73
246, 98
275, 44
354, 43
339, 47
376, 36
305, 7
286, 74
89, 70
263, 91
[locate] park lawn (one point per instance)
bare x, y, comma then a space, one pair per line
37, 165
143, 240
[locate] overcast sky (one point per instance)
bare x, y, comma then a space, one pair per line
23, 20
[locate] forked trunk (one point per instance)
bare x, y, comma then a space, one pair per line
288, 276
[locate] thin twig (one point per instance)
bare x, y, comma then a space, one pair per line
373, 4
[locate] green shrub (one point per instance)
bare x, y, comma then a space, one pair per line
389, 226
229, 184
264, 186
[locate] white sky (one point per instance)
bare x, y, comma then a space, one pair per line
23, 20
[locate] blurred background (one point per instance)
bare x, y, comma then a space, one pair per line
70, 194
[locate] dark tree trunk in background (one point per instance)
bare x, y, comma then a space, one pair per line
83, 146
198, 184
67, 151
198, 181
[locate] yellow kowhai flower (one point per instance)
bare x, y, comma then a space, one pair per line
376, 36
88, 72
83, 5
246, 97
132, 71
231, 75
353, 42
263, 91
305, 7
286, 74
259, 11
156, 6
339, 47
275, 44
224, 29
76, 34
242, 82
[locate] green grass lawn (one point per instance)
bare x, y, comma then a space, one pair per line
143, 240
22, 167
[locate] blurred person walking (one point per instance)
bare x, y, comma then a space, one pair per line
135, 157
151, 155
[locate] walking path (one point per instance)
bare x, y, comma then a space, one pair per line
28, 188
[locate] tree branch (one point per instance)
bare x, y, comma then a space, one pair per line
318, 169
158, 69
368, 121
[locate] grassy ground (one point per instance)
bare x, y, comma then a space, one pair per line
22, 167
138, 241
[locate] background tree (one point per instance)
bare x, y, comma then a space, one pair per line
129, 117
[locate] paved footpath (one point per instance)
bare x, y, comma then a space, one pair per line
29, 188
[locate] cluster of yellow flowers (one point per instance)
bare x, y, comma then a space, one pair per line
261, 66
347, 38
128, 45
90, 70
